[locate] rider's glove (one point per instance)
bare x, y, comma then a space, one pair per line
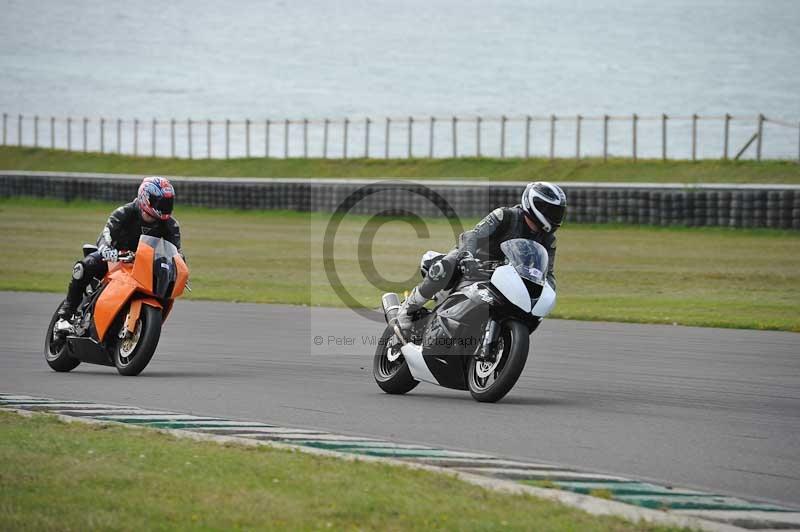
468, 264
110, 254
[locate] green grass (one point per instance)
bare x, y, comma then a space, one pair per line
689, 276
71, 476
560, 170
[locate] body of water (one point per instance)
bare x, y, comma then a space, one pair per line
316, 59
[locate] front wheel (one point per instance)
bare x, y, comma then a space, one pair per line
490, 380
55, 349
133, 353
390, 368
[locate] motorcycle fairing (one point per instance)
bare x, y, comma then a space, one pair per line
114, 296
509, 283
546, 302
453, 332
88, 350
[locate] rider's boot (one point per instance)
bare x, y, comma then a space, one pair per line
408, 309
70, 304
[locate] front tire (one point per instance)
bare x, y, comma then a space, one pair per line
55, 349
514, 341
132, 354
392, 376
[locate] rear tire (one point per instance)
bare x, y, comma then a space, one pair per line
516, 342
131, 358
55, 351
392, 377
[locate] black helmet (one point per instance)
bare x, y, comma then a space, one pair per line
545, 203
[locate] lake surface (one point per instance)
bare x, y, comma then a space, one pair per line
317, 59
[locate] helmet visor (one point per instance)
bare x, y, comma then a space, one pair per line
163, 204
553, 213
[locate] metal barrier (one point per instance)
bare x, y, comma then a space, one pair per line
653, 136
775, 206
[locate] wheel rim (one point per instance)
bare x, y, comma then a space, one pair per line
484, 373
392, 360
127, 345
55, 344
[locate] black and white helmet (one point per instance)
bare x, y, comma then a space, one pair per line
545, 203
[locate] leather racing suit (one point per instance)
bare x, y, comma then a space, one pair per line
121, 232
483, 242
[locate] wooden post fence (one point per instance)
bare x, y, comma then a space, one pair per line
528, 137
208, 139
727, 133
325, 139
478, 136
286, 138
172, 137
346, 127
386, 138
227, 138
247, 138
367, 122
36, 140
267, 123
189, 137
455, 137
430, 137
503, 120
410, 135
305, 137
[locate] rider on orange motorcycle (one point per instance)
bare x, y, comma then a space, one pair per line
149, 214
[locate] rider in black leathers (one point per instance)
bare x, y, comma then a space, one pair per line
536, 218
149, 214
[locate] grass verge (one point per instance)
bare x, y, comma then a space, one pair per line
689, 276
560, 170
71, 476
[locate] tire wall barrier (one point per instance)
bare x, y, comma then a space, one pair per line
776, 206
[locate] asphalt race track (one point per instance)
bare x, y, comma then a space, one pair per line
706, 408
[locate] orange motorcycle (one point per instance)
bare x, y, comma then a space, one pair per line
118, 322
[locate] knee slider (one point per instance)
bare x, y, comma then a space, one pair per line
442, 269
77, 271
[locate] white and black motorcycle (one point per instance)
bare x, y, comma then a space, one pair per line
476, 337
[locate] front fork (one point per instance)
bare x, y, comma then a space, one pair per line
490, 336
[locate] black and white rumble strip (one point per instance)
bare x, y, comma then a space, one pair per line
708, 510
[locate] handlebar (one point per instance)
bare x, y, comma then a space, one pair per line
127, 257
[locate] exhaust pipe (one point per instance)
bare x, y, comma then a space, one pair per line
391, 305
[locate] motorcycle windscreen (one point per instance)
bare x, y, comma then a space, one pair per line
530, 260
162, 255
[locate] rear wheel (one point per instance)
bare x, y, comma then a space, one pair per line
55, 349
490, 380
389, 367
133, 353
